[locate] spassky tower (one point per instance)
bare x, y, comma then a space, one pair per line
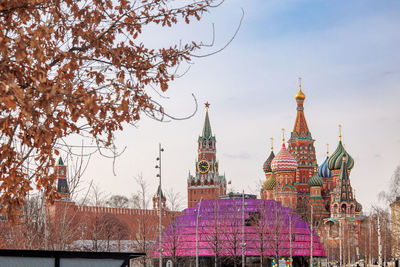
206, 184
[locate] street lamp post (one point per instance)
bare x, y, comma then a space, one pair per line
290, 237
340, 238
243, 243
340, 242
311, 244
370, 243
160, 149
197, 234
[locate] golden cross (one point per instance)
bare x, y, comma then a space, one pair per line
340, 132
272, 144
283, 135
327, 149
300, 82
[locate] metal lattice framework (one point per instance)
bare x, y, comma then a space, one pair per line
268, 228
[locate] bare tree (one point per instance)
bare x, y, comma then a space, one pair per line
394, 188
232, 231
174, 200
387, 244
259, 221
113, 230
172, 239
212, 229
97, 196
145, 222
117, 201
392, 198
277, 227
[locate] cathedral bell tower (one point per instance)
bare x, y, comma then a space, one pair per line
301, 146
206, 184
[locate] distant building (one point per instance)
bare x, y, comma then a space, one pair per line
395, 210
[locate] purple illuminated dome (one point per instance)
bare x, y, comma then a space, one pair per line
220, 229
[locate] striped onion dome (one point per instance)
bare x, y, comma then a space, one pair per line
267, 163
335, 160
358, 207
323, 170
315, 180
270, 183
283, 161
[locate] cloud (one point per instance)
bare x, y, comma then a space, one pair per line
388, 72
241, 155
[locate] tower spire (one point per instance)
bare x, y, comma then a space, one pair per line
300, 143
300, 95
62, 182
300, 126
207, 126
207, 168
207, 106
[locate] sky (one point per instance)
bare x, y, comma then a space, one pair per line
347, 53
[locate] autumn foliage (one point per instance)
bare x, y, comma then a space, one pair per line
77, 67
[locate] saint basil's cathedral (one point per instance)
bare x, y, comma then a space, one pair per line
292, 176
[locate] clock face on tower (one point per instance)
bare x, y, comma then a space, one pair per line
203, 166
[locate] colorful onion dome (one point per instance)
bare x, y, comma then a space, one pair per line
267, 163
270, 183
315, 180
335, 160
283, 161
358, 207
300, 95
323, 170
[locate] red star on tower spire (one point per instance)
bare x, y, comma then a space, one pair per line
207, 105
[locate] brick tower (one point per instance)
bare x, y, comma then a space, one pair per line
62, 210
206, 184
301, 146
315, 199
156, 199
62, 183
344, 209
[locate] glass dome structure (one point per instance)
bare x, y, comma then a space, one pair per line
268, 228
